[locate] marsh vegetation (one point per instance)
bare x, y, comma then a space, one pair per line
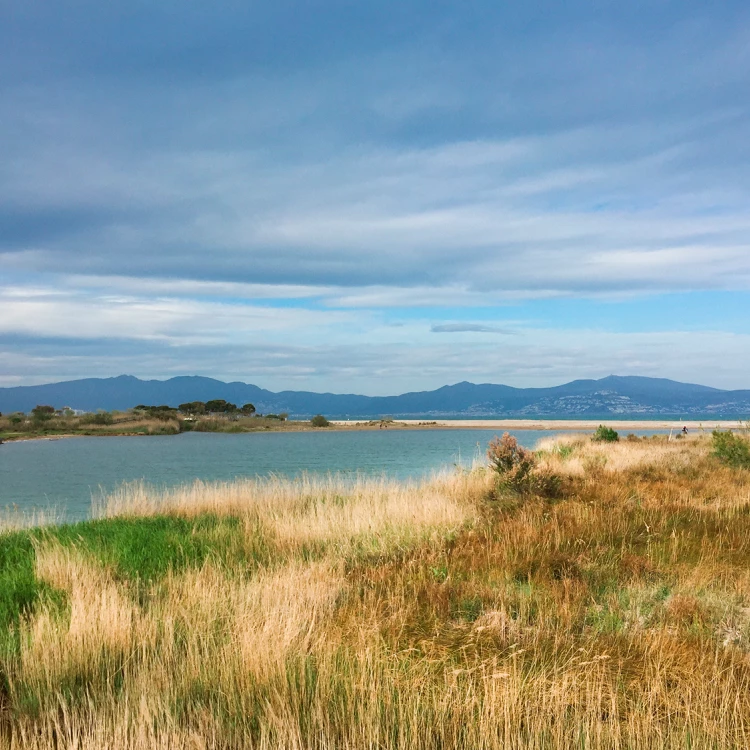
45, 421
467, 611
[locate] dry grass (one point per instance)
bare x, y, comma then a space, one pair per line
434, 616
312, 510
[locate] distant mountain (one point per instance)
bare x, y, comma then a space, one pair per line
609, 397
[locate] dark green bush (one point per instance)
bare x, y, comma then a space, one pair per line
192, 407
101, 418
319, 421
220, 406
605, 435
731, 449
42, 413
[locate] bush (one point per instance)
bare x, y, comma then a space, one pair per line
547, 484
515, 467
731, 449
319, 421
512, 462
220, 406
192, 407
42, 413
605, 435
100, 418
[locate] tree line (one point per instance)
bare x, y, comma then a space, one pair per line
198, 408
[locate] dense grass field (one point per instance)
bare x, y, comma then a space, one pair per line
613, 612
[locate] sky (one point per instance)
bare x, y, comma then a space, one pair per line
375, 197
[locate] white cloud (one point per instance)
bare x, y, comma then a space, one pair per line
172, 320
306, 215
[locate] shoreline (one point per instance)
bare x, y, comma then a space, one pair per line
585, 425
517, 425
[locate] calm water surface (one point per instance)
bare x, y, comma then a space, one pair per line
66, 473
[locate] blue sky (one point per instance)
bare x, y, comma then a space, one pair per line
375, 197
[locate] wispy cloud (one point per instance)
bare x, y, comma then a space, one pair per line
470, 328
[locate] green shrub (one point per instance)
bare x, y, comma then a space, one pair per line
547, 484
192, 407
731, 449
319, 421
220, 406
605, 435
42, 413
101, 418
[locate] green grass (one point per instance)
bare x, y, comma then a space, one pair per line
19, 588
140, 550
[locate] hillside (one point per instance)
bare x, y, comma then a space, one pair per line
611, 396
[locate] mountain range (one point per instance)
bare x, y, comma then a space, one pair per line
613, 396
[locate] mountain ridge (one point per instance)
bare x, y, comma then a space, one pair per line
614, 395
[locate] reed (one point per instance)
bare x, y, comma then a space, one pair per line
327, 612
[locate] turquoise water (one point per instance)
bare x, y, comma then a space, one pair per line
65, 474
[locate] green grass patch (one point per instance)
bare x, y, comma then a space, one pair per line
19, 588
140, 550
146, 549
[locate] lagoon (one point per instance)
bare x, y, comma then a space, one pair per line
65, 474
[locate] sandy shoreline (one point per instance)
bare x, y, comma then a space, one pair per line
582, 425
551, 425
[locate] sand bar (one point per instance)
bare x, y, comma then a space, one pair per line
582, 425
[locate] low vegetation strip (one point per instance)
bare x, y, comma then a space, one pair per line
588, 594
196, 416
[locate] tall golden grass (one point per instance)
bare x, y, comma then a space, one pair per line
433, 615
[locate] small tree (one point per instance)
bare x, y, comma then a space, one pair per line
42, 413
319, 421
248, 409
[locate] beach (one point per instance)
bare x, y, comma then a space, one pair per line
575, 425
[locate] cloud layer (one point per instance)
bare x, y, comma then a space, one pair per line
300, 195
